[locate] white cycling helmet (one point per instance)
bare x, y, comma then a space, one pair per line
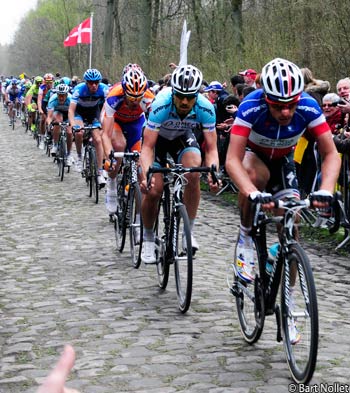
186, 80
282, 80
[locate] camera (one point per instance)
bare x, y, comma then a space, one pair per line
341, 102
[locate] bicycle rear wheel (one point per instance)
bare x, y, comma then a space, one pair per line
161, 231
249, 300
135, 225
183, 260
299, 310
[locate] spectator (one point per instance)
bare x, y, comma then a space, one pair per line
316, 87
334, 116
249, 76
240, 87
247, 90
235, 80
231, 103
343, 90
216, 95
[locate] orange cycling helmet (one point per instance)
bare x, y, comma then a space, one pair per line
134, 82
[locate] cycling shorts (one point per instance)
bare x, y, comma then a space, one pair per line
63, 114
94, 121
176, 148
283, 180
132, 132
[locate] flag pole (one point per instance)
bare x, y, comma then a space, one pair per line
92, 14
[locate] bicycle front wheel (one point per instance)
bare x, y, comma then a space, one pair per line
62, 158
299, 315
94, 187
182, 259
161, 231
135, 225
249, 300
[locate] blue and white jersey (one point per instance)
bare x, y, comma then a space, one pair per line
56, 106
266, 135
13, 92
86, 100
164, 119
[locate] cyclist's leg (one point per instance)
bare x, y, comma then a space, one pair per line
96, 135
78, 139
56, 132
259, 175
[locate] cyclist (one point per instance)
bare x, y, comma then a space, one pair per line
177, 118
12, 97
42, 104
85, 107
268, 124
57, 112
31, 101
125, 109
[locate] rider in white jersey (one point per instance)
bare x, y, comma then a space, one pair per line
178, 120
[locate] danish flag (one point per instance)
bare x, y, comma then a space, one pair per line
80, 34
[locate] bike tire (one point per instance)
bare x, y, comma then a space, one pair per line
183, 261
13, 122
120, 222
94, 187
62, 157
249, 300
161, 231
301, 356
135, 224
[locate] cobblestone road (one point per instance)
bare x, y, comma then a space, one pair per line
62, 280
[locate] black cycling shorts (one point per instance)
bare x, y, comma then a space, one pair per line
175, 148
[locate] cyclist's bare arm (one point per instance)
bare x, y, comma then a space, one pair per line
331, 161
211, 156
108, 124
147, 154
49, 117
71, 113
234, 165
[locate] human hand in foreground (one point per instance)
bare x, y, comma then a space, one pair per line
55, 381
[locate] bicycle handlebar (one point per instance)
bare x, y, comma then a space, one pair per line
122, 154
179, 169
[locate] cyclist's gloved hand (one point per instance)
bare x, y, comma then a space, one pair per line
322, 199
260, 197
76, 128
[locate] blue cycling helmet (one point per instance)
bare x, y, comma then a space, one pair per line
92, 75
65, 80
14, 81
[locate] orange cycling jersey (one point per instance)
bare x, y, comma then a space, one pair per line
118, 107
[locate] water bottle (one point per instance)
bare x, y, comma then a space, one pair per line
273, 252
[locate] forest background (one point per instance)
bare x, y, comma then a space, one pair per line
227, 36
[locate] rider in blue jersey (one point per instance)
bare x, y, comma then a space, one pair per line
87, 100
267, 127
178, 118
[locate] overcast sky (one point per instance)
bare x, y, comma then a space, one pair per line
12, 11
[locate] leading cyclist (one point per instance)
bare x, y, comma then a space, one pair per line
177, 117
268, 125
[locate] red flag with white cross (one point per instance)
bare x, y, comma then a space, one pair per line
80, 34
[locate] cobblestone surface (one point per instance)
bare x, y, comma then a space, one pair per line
62, 280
